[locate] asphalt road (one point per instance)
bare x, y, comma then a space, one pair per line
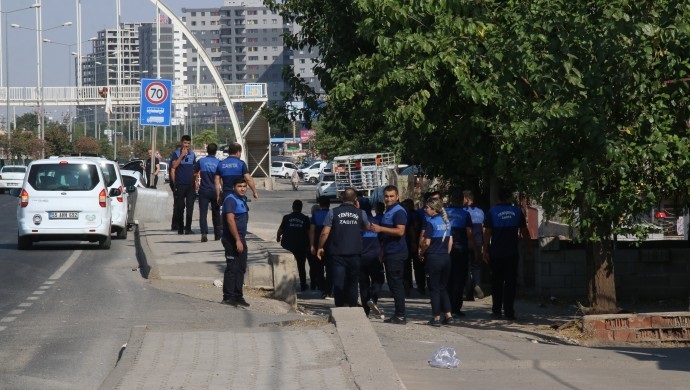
67, 308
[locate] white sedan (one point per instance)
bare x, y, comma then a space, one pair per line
11, 176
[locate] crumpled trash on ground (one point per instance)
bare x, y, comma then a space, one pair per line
218, 283
444, 357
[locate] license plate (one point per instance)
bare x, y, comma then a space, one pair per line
13, 184
63, 215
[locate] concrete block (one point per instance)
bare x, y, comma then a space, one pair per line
259, 276
285, 276
151, 205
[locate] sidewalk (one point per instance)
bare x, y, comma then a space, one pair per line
272, 346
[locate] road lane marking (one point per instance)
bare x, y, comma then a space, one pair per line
32, 298
2, 328
25, 304
44, 287
49, 282
7, 319
66, 265
39, 292
15, 312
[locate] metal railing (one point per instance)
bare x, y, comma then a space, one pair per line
128, 94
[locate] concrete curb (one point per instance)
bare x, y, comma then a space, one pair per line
370, 366
127, 358
144, 256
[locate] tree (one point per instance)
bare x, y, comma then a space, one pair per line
57, 140
205, 138
595, 116
86, 145
581, 105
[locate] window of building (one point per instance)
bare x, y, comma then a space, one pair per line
203, 22
253, 58
203, 13
302, 61
274, 21
193, 23
193, 13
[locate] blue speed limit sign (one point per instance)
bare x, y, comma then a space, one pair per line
155, 102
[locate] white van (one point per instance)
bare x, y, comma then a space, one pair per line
312, 172
64, 198
282, 169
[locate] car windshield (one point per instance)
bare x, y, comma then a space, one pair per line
63, 177
328, 178
109, 173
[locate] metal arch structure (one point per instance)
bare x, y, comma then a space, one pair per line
239, 134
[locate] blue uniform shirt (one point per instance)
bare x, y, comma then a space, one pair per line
185, 171
317, 220
370, 240
438, 233
504, 220
460, 220
206, 167
477, 222
230, 169
393, 216
238, 206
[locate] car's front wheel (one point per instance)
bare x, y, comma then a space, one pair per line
122, 234
287, 175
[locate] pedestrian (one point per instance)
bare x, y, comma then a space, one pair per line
182, 162
421, 219
345, 223
230, 169
235, 220
412, 240
293, 235
323, 263
463, 245
392, 234
171, 183
152, 182
294, 179
436, 246
205, 168
503, 226
474, 277
371, 276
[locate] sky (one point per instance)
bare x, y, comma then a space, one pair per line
20, 68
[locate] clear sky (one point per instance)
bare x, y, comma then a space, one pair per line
57, 61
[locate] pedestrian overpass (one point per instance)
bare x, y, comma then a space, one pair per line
252, 97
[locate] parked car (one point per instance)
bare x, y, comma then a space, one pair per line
64, 198
132, 181
282, 169
11, 176
326, 186
120, 201
311, 173
164, 171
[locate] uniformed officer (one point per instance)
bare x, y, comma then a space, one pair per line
182, 162
392, 233
474, 276
315, 227
461, 228
293, 235
206, 169
503, 225
371, 276
230, 169
235, 220
345, 223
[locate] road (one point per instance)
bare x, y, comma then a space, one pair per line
66, 309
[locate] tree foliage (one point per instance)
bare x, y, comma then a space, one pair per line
581, 105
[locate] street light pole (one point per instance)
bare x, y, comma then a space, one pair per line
39, 48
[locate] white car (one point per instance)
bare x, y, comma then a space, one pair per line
312, 172
164, 171
120, 202
11, 176
326, 186
64, 198
282, 169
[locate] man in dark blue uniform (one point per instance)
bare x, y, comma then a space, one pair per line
503, 225
182, 162
345, 223
463, 246
315, 228
474, 276
371, 276
235, 220
206, 169
392, 233
230, 169
293, 235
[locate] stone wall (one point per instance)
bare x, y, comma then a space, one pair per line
654, 270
